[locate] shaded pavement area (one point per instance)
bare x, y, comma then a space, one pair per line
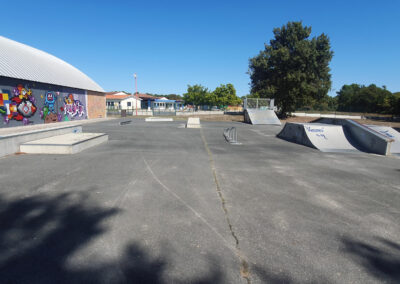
160, 203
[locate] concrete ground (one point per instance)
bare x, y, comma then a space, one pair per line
160, 203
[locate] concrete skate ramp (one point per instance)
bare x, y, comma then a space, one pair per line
390, 133
257, 116
361, 136
324, 137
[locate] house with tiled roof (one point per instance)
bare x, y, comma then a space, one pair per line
159, 103
122, 100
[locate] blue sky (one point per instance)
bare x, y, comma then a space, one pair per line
171, 44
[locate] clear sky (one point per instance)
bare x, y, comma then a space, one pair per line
171, 44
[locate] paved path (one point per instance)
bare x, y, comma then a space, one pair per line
160, 203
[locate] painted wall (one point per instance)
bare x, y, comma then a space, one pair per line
124, 103
96, 104
24, 102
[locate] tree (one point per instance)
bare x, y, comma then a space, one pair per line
293, 69
225, 95
174, 97
347, 96
372, 99
196, 95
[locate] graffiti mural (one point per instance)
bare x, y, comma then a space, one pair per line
48, 112
20, 107
4, 104
73, 108
26, 102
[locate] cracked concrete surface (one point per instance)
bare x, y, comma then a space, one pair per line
164, 204
244, 266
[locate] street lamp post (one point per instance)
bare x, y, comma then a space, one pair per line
136, 93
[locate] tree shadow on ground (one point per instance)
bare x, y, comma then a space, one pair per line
284, 277
380, 259
267, 276
39, 234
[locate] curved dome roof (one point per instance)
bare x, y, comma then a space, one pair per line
21, 61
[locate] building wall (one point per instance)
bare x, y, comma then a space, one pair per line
25, 102
96, 104
124, 103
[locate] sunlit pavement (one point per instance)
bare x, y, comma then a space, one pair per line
160, 203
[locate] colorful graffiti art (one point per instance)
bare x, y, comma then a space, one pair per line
4, 104
20, 107
72, 107
48, 112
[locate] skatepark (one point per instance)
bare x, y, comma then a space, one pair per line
165, 202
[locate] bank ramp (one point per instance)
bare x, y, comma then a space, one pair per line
261, 116
324, 137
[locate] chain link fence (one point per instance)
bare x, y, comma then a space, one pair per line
258, 103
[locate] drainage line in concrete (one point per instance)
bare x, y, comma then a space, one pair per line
244, 266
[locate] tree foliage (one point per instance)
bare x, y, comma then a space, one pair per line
195, 95
371, 99
174, 97
169, 96
225, 95
293, 68
222, 96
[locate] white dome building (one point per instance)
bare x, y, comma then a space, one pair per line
36, 87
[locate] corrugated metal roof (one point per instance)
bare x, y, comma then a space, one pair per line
21, 61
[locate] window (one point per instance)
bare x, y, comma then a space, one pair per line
129, 104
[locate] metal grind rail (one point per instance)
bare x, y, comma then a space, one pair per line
230, 135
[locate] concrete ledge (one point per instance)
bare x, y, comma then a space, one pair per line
10, 143
193, 122
149, 119
70, 143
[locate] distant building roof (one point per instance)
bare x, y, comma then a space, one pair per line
118, 93
146, 96
114, 97
119, 96
21, 61
163, 100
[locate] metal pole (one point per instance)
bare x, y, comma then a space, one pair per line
136, 99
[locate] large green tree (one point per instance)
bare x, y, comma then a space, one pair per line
225, 95
196, 95
396, 103
222, 96
293, 68
372, 99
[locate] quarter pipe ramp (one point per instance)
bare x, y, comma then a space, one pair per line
258, 116
363, 137
324, 137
